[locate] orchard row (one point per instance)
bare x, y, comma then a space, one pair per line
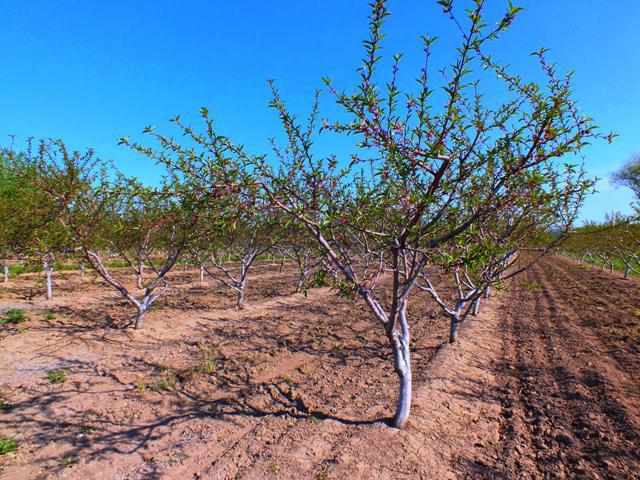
441, 178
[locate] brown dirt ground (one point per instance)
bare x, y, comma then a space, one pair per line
543, 384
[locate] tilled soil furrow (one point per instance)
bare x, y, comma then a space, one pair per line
574, 427
601, 315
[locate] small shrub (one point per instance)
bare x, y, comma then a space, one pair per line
140, 386
57, 376
88, 428
8, 445
14, 316
273, 468
4, 406
49, 315
67, 461
206, 365
322, 475
320, 279
165, 383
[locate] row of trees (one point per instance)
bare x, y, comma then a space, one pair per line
615, 242
612, 244
441, 179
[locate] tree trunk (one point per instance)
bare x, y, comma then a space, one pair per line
139, 274
626, 271
402, 364
476, 306
82, 269
142, 309
300, 282
201, 273
453, 330
48, 271
240, 296
5, 267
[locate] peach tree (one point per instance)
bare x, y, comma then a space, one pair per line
432, 172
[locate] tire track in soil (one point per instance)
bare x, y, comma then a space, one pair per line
560, 415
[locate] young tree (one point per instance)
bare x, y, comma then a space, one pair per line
13, 193
254, 232
297, 246
73, 205
424, 179
617, 238
144, 226
212, 196
629, 176
45, 174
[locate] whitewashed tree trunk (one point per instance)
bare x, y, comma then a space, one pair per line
456, 318
138, 273
454, 325
142, 310
5, 268
402, 365
476, 307
240, 296
301, 279
247, 261
48, 272
201, 273
82, 269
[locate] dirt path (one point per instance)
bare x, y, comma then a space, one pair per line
543, 384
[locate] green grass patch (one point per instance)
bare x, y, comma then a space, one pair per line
57, 376
14, 316
8, 445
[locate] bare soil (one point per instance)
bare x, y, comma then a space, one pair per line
544, 383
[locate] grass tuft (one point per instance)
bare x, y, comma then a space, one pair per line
57, 376
14, 316
8, 445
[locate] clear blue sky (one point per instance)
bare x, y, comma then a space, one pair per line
90, 72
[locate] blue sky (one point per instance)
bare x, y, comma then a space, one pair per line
91, 72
